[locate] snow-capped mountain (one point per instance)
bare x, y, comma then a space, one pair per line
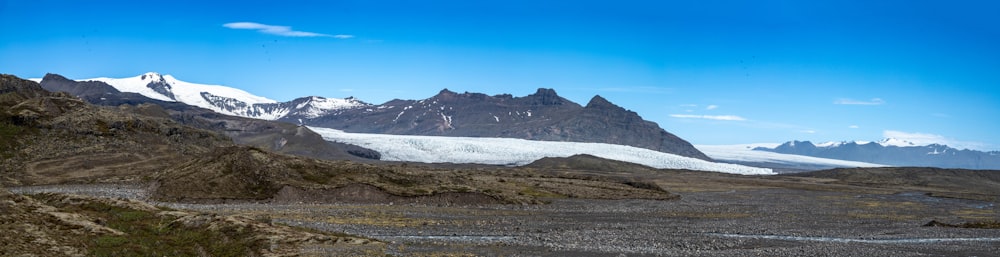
227, 100
510, 151
884, 142
895, 152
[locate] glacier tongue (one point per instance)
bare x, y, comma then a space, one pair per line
510, 151
745, 153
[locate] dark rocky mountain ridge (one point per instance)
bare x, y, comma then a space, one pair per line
543, 115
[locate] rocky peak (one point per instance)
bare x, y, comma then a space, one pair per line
548, 92
599, 102
14, 89
152, 77
445, 94
54, 77
546, 96
158, 83
800, 144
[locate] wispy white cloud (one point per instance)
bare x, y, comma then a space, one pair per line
709, 117
854, 126
847, 101
711, 107
284, 31
808, 131
689, 105
940, 115
926, 138
918, 138
637, 89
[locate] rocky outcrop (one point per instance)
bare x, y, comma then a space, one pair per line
57, 138
13, 90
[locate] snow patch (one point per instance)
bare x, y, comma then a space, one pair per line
319, 106
398, 115
884, 142
509, 151
447, 120
896, 142
827, 144
935, 152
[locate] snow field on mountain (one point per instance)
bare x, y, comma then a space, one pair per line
319, 106
225, 100
745, 153
884, 142
185, 92
516, 152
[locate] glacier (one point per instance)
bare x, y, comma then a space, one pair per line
516, 152
745, 153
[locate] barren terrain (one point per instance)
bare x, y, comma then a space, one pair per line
716, 215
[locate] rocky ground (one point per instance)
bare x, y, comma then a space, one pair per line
59, 224
741, 222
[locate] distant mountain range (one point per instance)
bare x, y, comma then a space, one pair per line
540, 116
894, 152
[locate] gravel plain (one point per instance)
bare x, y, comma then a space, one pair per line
757, 222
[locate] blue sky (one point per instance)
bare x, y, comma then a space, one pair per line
712, 72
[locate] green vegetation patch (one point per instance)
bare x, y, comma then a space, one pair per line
10, 131
535, 192
147, 234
